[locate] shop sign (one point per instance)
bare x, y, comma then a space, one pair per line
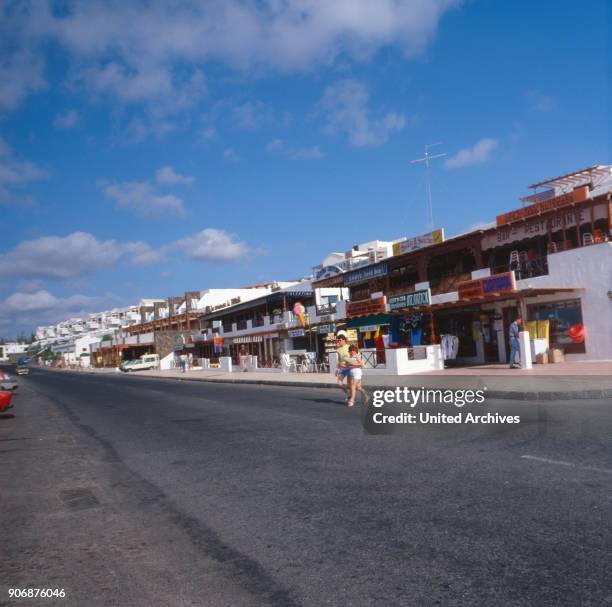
418, 242
410, 300
366, 307
577, 195
325, 318
296, 333
366, 274
488, 285
540, 226
326, 329
368, 328
327, 272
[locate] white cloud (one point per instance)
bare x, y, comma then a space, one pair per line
67, 120
15, 173
251, 116
62, 257
479, 153
141, 253
212, 244
230, 154
141, 197
168, 176
345, 105
153, 51
21, 74
28, 309
208, 133
278, 146
539, 102
29, 285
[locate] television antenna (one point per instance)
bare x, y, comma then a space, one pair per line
426, 159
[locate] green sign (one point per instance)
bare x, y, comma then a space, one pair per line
410, 300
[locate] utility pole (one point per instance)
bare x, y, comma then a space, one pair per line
426, 158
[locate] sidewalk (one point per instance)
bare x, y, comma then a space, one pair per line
561, 381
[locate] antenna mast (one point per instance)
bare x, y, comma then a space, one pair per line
426, 158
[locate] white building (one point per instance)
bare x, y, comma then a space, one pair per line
12, 348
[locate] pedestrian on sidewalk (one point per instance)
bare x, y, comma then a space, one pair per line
243, 357
515, 345
355, 375
343, 368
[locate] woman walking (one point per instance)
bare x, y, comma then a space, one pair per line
355, 375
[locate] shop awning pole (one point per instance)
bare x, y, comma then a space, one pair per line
522, 308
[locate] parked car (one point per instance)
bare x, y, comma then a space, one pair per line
146, 361
22, 370
7, 382
6, 400
126, 364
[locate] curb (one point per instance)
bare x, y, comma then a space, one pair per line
598, 394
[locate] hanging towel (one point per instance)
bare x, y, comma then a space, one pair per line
544, 331
532, 327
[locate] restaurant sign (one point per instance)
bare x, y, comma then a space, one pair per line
296, 332
418, 242
488, 285
550, 204
410, 300
366, 307
331, 328
539, 226
366, 273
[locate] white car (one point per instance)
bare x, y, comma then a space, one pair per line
7, 382
146, 361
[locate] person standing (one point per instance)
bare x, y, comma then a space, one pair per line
515, 345
243, 356
343, 369
355, 375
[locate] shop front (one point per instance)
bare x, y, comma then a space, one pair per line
411, 322
476, 330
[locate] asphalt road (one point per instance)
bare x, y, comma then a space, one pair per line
139, 492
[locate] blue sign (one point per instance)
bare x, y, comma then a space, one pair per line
366, 274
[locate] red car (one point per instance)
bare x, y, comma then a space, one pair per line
5, 400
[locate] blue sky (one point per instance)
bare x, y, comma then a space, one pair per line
148, 148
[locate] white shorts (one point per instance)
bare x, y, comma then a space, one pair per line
356, 373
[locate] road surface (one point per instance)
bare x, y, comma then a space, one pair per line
143, 492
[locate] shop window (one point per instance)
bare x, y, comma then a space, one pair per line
566, 327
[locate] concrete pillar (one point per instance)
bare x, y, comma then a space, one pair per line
525, 350
225, 364
333, 362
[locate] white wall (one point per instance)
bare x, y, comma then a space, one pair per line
590, 270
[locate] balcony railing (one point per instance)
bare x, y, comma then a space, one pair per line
329, 308
525, 267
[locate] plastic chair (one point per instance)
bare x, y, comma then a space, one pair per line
515, 263
288, 363
587, 239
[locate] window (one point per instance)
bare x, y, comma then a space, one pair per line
566, 327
